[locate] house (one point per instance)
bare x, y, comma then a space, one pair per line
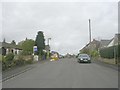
115, 40
94, 45
111, 49
108, 43
7, 48
104, 43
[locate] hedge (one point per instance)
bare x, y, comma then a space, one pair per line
7, 61
10, 61
110, 52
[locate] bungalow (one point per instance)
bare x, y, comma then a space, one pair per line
7, 48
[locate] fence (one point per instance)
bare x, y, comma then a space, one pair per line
110, 52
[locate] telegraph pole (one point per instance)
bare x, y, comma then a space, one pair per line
90, 30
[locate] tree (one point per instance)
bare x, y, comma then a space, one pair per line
26, 38
40, 42
4, 40
13, 42
94, 53
27, 46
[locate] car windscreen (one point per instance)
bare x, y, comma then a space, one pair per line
83, 55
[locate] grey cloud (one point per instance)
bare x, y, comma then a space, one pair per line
65, 22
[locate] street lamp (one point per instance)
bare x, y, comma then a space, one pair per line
48, 40
48, 52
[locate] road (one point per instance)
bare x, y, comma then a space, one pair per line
65, 73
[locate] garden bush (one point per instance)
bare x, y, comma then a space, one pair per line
19, 60
7, 61
94, 53
9, 57
23, 59
10, 60
4, 65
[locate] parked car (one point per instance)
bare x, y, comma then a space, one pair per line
84, 58
54, 56
61, 56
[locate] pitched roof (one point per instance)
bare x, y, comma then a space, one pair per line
91, 43
9, 45
116, 38
104, 43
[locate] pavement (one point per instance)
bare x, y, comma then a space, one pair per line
65, 73
112, 66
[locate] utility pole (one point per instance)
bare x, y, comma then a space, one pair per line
115, 52
90, 30
115, 55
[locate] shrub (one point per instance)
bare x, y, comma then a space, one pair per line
28, 59
94, 53
7, 61
27, 47
4, 65
22, 60
19, 60
9, 57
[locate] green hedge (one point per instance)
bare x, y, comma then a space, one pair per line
10, 61
110, 52
7, 61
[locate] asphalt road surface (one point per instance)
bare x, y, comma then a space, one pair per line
65, 73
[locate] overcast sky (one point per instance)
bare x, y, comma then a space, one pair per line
66, 23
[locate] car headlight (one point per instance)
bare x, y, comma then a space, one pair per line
81, 59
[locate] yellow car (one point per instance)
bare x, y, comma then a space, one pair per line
54, 57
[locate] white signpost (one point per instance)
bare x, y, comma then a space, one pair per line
35, 49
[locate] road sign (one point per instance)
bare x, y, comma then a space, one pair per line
35, 49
